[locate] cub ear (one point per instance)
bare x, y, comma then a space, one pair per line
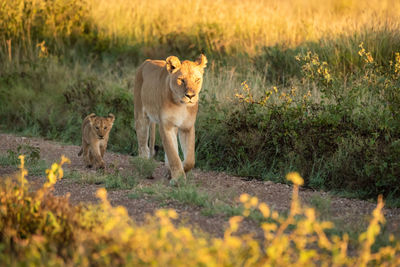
202, 61
111, 117
91, 117
173, 64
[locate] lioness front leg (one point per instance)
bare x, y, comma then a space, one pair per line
187, 140
169, 140
142, 125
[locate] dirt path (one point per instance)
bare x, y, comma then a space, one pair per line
228, 188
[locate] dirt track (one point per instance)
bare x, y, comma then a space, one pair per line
219, 185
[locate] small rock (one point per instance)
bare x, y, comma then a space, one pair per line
268, 183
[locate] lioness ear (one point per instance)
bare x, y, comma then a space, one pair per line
173, 64
202, 61
111, 117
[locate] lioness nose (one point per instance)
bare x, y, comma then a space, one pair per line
190, 96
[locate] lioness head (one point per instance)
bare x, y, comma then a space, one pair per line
102, 126
186, 78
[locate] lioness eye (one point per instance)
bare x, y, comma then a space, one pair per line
197, 80
105, 128
182, 81
97, 127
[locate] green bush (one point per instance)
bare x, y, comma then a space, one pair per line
346, 141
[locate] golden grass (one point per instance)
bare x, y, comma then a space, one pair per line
242, 25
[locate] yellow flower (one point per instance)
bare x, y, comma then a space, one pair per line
234, 223
102, 194
295, 178
264, 210
253, 201
172, 214
244, 198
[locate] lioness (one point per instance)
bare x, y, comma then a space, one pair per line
167, 93
95, 133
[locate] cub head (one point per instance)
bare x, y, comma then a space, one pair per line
186, 78
101, 126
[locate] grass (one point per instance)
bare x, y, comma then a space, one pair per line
113, 178
110, 181
144, 167
353, 229
319, 105
188, 193
34, 164
192, 195
322, 205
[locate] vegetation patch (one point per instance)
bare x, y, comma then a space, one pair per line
52, 232
34, 164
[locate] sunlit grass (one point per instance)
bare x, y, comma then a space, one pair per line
240, 25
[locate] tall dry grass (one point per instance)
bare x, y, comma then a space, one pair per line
243, 26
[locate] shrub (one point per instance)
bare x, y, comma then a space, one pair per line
346, 139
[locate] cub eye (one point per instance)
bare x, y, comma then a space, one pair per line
97, 127
181, 80
105, 128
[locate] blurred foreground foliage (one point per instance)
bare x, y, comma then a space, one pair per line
38, 228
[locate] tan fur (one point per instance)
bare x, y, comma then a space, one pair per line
167, 93
95, 134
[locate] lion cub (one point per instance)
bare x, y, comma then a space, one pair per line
95, 133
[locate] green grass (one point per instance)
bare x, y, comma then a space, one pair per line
33, 163
321, 204
188, 193
114, 179
109, 180
183, 193
144, 167
342, 226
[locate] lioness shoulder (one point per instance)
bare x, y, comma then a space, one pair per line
167, 93
95, 134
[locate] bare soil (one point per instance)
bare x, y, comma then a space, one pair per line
350, 212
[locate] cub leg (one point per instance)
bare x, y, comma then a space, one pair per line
103, 149
96, 154
142, 125
187, 140
91, 159
86, 155
170, 143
